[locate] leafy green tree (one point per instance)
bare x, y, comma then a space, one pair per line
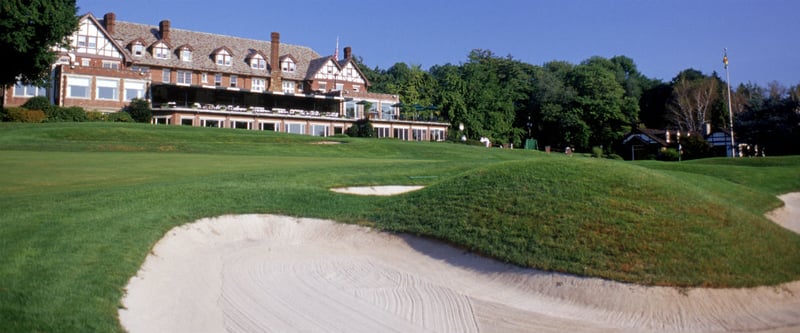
140, 111
602, 100
552, 119
450, 96
29, 32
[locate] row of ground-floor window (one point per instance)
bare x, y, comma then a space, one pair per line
406, 133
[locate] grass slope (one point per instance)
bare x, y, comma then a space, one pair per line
613, 220
81, 205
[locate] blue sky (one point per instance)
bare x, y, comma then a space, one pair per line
662, 37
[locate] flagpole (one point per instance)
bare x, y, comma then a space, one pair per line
730, 109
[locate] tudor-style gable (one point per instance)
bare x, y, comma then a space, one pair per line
92, 39
327, 74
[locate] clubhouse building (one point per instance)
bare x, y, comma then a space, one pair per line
201, 79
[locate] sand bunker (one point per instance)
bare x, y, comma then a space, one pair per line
265, 273
377, 190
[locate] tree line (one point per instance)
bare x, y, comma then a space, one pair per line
586, 105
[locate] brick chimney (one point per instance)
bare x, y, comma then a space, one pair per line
276, 84
163, 29
348, 52
111, 21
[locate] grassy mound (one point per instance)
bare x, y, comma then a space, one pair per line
607, 219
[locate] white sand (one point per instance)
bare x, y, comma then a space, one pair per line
788, 216
377, 190
265, 273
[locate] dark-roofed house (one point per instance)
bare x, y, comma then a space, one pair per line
202, 79
646, 143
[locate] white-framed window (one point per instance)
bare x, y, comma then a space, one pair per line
204, 77
382, 132
288, 65
184, 77
323, 86
319, 130
223, 58
339, 86
134, 89
329, 69
437, 134
138, 49
165, 75
387, 111
218, 79
401, 133
295, 128
349, 71
29, 90
91, 42
356, 88
258, 62
259, 84
266, 126
186, 54
86, 62
350, 109
419, 134
110, 64
107, 89
234, 81
78, 87
288, 87
160, 51
242, 124
209, 122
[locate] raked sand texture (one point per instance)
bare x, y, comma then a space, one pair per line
265, 273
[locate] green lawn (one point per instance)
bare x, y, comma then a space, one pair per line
82, 204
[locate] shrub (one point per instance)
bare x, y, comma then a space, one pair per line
139, 110
361, 128
66, 114
119, 117
670, 154
597, 152
39, 103
23, 115
96, 116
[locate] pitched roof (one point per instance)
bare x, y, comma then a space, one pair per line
648, 135
101, 27
203, 46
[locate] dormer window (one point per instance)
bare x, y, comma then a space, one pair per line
186, 55
288, 64
138, 49
223, 58
161, 51
258, 62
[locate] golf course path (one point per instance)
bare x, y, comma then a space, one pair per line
267, 273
